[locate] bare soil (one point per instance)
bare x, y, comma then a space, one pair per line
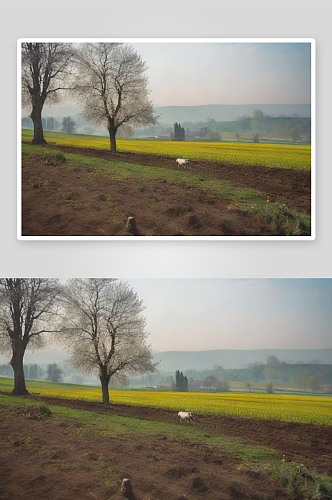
58, 201
308, 441
61, 459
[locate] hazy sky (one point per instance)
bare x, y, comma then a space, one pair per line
204, 314
189, 74
193, 74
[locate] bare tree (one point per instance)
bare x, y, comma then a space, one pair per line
45, 67
27, 307
54, 373
111, 88
104, 330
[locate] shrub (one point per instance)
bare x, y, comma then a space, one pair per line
44, 411
303, 227
60, 157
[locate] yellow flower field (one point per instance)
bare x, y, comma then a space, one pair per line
305, 409
269, 155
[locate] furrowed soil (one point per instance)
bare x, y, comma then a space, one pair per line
61, 458
58, 201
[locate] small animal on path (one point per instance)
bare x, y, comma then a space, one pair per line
186, 416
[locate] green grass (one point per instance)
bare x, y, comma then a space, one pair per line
269, 155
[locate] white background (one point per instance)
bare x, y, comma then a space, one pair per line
165, 18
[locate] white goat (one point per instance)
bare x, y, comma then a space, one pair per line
186, 416
183, 162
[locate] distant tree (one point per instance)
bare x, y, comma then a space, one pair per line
54, 373
33, 371
178, 133
50, 123
181, 382
244, 122
286, 132
27, 122
68, 125
295, 134
314, 382
258, 114
6, 370
56, 124
272, 361
249, 385
223, 386
40, 373
269, 388
111, 87
205, 132
270, 373
257, 126
255, 138
257, 371
238, 135
211, 381
45, 69
27, 308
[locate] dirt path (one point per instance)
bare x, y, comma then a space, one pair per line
312, 442
279, 183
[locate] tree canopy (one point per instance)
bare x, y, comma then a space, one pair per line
111, 87
45, 70
104, 330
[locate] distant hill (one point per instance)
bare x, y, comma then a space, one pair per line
227, 358
227, 112
218, 112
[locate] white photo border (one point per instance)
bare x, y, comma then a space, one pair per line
312, 42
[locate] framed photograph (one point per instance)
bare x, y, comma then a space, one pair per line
110, 386
190, 139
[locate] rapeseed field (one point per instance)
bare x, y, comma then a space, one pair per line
268, 155
304, 409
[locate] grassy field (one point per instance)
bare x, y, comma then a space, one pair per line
304, 409
269, 155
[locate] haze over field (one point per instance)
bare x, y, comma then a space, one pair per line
236, 314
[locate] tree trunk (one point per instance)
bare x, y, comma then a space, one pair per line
38, 134
112, 133
19, 380
104, 379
